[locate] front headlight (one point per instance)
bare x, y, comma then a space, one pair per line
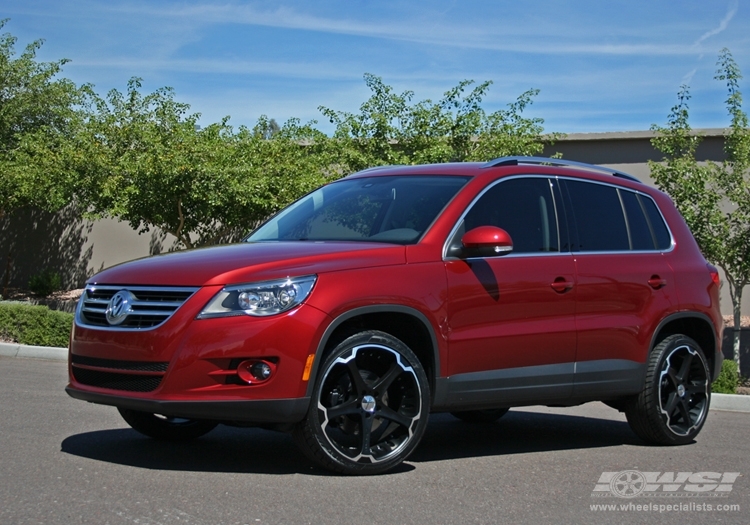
259, 299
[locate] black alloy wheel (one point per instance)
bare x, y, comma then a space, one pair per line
369, 407
673, 405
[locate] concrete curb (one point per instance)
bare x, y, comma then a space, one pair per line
727, 402
730, 402
34, 352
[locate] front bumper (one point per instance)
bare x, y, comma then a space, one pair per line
189, 367
251, 411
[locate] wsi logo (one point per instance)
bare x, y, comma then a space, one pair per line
632, 483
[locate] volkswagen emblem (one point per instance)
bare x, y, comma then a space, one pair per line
119, 307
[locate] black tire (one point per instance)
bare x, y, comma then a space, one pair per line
166, 428
369, 407
672, 407
489, 415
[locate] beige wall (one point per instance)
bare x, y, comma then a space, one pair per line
74, 247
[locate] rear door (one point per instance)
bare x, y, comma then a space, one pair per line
624, 284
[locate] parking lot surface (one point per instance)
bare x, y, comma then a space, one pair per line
65, 461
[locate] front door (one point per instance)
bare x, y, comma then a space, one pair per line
511, 318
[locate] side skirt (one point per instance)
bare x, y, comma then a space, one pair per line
558, 384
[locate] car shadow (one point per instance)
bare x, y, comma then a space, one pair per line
253, 450
519, 432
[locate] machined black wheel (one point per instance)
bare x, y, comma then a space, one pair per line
673, 405
166, 428
369, 407
489, 415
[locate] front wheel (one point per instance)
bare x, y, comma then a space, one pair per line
164, 427
672, 407
369, 407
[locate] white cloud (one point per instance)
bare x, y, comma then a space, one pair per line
722, 25
553, 39
688, 78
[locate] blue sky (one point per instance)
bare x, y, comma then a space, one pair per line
605, 65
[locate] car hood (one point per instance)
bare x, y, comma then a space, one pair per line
246, 262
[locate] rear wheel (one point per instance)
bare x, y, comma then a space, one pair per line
673, 405
165, 427
489, 415
369, 407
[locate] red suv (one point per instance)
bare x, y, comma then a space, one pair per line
398, 291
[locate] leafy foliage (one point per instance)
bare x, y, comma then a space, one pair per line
390, 130
34, 325
733, 180
141, 158
728, 379
35, 108
37, 113
690, 184
713, 198
45, 282
151, 166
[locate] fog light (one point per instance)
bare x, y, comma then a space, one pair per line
254, 371
261, 371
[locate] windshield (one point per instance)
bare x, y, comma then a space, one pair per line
387, 209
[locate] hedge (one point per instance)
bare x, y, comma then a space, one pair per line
728, 379
34, 325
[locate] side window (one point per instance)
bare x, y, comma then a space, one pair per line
641, 237
598, 216
522, 207
660, 231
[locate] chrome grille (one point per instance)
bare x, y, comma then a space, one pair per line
150, 306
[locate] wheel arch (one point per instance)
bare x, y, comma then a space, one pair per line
407, 324
697, 326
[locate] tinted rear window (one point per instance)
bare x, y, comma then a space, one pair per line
607, 218
659, 228
641, 237
599, 218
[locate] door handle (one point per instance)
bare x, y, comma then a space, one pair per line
657, 282
561, 285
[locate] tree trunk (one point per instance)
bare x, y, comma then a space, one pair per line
737, 331
6, 276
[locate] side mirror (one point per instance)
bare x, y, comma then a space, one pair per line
486, 241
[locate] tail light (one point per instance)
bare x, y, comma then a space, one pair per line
714, 274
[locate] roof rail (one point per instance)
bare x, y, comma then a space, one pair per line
516, 161
375, 168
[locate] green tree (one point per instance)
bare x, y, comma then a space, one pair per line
35, 108
144, 160
713, 198
733, 180
37, 113
389, 129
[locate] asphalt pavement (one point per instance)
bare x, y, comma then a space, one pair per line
64, 461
